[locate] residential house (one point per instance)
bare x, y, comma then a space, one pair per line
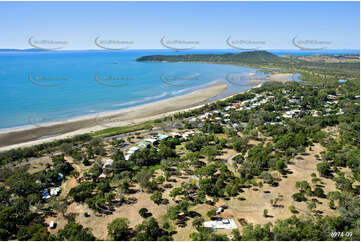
151, 141
54, 191
52, 225
162, 136
107, 163
221, 223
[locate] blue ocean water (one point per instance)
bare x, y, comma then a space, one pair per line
41, 87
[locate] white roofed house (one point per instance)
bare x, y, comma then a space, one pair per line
220, 223
296, 112
175, 134
102, 176
52, 225
228, 108
107, 163
205, 116
131, 151
328, 110
60, 176
287, 114
54, 191
236, 126
315, 114
151, 140
340, 112
144, 144
331, 97
193, 120
219, 210
187, 134
45, 194
162, 136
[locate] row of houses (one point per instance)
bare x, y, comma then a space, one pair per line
146, 143
47, 193
291, 113
151, 141
54, 191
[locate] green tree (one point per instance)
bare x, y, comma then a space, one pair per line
198, 223
157, 197
119, 229
299, 197
33, 232
4, 234
82, 191
318, 192
280, 165
265, 213
74, 231
149, 230
143, 177
324, 169
143, 212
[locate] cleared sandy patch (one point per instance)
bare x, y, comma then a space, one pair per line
280, 77
251, 209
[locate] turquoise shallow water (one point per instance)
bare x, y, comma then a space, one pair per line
40, 87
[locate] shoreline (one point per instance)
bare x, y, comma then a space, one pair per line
33, 135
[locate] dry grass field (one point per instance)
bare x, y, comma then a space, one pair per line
247, 206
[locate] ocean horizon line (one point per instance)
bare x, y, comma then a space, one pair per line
141, 49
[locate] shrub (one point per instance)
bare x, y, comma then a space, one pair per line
143, 212
293, 209
299, 197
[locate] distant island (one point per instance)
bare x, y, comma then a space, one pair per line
246, 58
22, 50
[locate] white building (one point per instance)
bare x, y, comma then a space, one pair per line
130, 152
108, 162
193, 120
175, 134
219, 210
151, 140
54, 191
220, 224
52, 225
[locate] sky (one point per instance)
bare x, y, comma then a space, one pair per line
204, 25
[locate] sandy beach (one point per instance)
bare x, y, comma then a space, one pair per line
280, 77
38, 134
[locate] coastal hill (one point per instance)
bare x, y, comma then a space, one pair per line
327, 66
249, 57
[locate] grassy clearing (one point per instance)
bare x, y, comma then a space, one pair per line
123, 129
